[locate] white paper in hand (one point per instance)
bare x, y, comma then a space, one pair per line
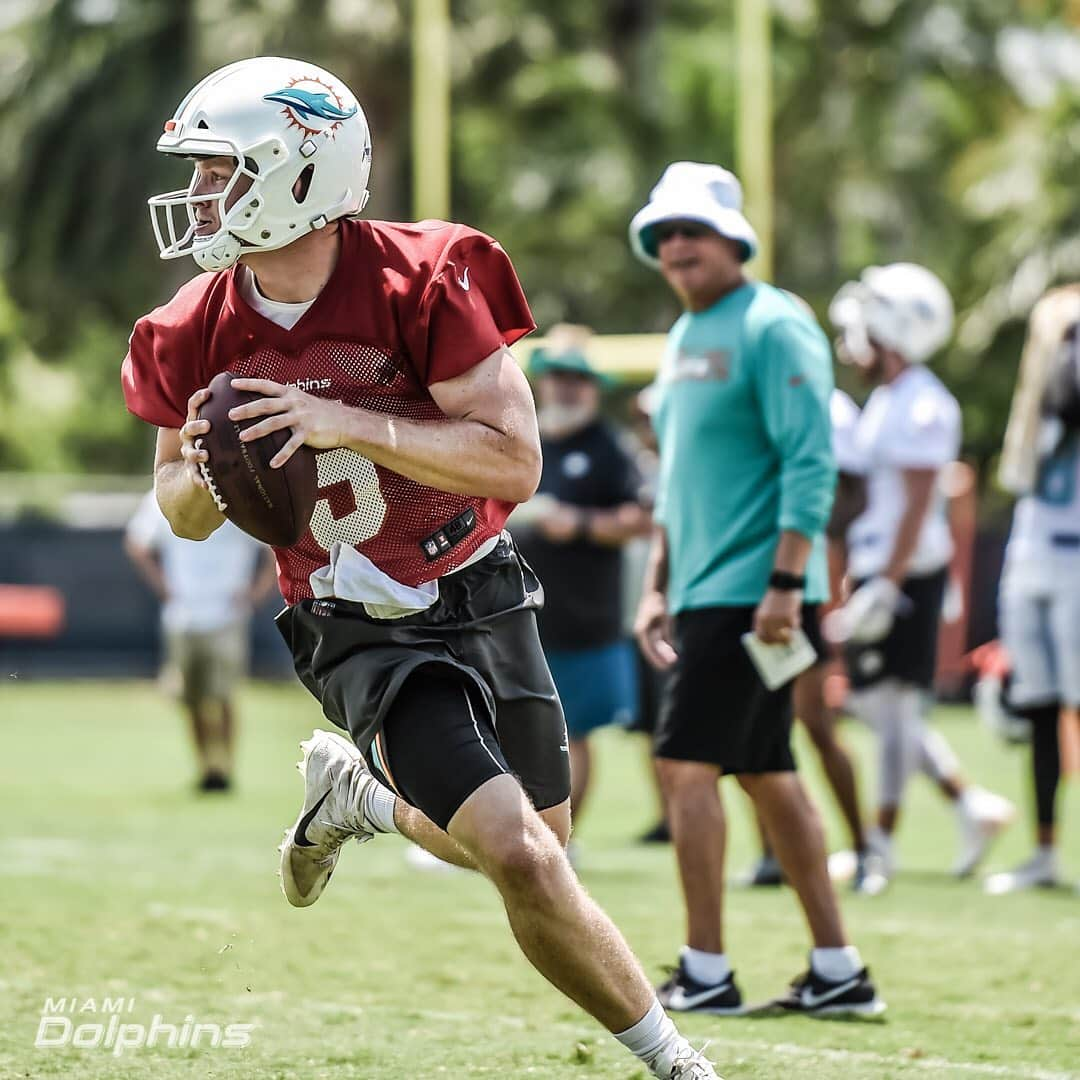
779, 664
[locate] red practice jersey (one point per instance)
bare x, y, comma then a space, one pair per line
406, 306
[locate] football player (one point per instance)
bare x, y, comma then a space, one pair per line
891, 323
410, 616
1039, 602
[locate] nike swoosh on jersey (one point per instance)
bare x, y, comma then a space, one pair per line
463, 281
812, 1000
300, 836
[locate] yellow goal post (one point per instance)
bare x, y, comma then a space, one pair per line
630, 359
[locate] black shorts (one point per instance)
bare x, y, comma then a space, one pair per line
442, 701
716, 708
909, 652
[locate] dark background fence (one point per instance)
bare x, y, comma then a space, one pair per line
111, 624
111, 627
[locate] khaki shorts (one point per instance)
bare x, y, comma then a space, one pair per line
205, 665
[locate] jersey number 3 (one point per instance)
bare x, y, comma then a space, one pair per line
350, 508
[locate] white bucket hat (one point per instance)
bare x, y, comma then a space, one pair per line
691, 191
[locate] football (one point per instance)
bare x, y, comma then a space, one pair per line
273, 505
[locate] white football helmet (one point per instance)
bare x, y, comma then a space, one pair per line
901, 306
283, 121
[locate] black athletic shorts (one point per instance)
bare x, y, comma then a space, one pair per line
442, 701
909, 652
716, 708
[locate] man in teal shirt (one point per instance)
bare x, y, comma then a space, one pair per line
746, 485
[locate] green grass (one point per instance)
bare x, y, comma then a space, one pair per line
118, 881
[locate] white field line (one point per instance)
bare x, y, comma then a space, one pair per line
894, 1061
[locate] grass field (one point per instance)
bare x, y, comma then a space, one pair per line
119, 882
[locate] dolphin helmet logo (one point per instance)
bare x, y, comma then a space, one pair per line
312, 106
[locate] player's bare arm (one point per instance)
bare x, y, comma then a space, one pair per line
616, 525
849, 502
180, 489
610, 526
490, 445
147, 563
780, 610
652, 626
919, 485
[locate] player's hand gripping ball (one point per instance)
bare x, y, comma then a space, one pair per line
273, 505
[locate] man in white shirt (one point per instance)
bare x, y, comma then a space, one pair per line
207, 592
891, 322
1039, 598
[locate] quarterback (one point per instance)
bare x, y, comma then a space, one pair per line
409, 613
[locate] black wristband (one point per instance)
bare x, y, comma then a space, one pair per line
785, 582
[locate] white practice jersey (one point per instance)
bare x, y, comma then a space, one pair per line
911, 423
1043, 554
844, 417
207, 580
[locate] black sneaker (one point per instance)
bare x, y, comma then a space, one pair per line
765, 873
215, 781
658, 834
815, 996
683, 993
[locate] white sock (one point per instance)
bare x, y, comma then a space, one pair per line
377, 803
710, 968
654, 1039
836, 964
1047, 855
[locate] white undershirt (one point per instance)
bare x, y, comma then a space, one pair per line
284, 315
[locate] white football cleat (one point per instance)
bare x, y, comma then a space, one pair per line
981, 816
1040, 871
690, 1064
335, 777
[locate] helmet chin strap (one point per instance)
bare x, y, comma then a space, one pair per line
218, 252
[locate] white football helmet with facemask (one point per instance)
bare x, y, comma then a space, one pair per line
902, 306
298, 135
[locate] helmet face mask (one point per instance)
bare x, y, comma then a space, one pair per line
296, 134
221, 248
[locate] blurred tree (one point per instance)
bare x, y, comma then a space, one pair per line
945, 134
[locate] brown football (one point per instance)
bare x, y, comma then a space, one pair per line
273, 505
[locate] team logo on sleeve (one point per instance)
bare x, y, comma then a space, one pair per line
312, 106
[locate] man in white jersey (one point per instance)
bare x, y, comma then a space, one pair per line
207, 592
892, 321
1039, 600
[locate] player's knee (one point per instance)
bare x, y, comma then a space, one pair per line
682, 778
524, 862
823, 736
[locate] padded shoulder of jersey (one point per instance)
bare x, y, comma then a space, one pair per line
422, 249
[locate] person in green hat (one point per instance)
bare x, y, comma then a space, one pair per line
586, 508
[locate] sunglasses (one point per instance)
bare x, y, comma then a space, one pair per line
690, 230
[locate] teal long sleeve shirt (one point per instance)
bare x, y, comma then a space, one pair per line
742, 418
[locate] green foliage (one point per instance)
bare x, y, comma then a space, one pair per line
945, 134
